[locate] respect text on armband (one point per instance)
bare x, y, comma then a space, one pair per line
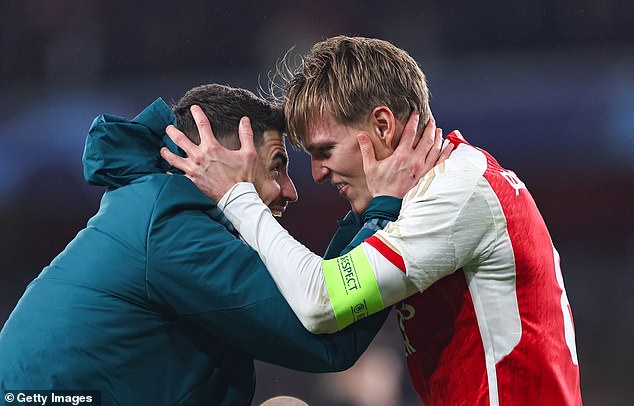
348, 273
352, 287
351, 283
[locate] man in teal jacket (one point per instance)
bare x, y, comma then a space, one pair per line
157, 301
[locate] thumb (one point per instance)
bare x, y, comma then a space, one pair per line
367, 150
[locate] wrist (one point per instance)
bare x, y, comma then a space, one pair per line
235, 192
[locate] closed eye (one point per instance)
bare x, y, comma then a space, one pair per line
276, 171
320, 151
323, 152
279, 165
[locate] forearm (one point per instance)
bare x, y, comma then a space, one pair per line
299, 274
294, 268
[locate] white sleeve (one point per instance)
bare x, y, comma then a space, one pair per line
298, 272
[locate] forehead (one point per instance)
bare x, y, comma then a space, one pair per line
325, 130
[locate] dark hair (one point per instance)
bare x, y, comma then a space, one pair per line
224, 107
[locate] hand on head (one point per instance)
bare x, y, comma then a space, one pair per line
410, 161
212, 167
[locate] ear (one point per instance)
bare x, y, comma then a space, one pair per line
383, 126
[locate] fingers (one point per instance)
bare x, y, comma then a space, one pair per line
245, 133
409, 132
438, 141
367, 151
180, 139
435, 148
174, 160
428, 138
445, 152
204, 127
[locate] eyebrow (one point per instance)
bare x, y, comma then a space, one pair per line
281, 157
318, 145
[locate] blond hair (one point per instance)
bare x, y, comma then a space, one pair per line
349, 76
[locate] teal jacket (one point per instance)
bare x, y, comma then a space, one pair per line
156, 301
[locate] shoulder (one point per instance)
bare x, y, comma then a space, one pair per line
155, 196
455, 178
179, 204
178, 190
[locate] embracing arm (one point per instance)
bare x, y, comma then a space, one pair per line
445, 222
198, 271
326, 295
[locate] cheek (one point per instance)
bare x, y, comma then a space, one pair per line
350, 163
354, 166
270, 192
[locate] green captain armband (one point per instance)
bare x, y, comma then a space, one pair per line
352, 287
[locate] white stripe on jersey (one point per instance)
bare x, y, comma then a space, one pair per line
454, 220
492, 287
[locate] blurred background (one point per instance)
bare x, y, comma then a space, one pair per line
546, 86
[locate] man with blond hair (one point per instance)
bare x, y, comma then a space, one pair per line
469, 263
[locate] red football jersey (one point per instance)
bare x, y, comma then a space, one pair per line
492, 325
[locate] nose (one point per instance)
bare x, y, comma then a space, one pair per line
287, 189
320, 173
